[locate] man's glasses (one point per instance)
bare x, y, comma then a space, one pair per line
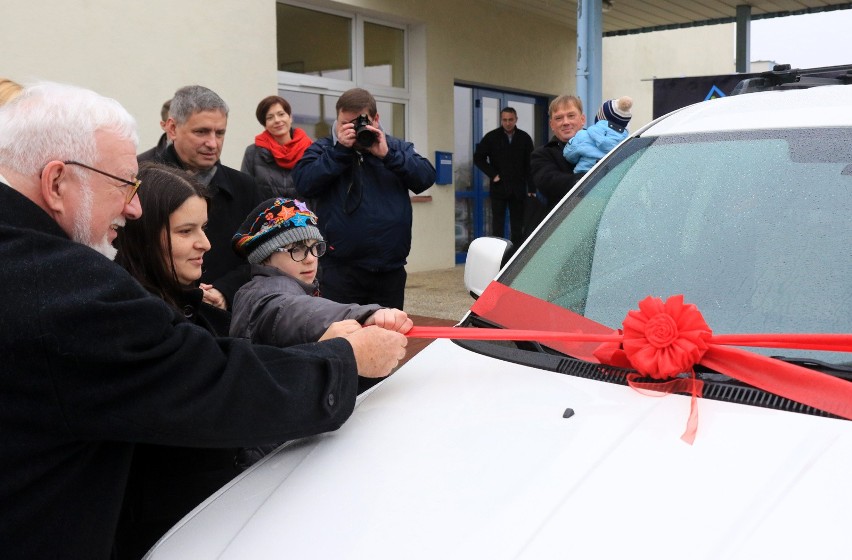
133, 184
300, 252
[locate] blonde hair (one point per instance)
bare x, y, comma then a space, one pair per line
9, 90
564, 101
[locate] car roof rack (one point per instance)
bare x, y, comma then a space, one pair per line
783, 77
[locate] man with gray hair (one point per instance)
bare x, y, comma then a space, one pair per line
93, 364
196, 126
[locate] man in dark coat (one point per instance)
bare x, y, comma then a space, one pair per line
196, 125
553, 176
357, 182
504, 156
163, 142
93, 364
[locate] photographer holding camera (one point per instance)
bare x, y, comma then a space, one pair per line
358, 181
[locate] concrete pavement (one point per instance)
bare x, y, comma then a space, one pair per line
438, 294
435, 298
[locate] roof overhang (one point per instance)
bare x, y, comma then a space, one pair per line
621, 17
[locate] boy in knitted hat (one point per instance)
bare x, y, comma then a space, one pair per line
589, 145
281, 306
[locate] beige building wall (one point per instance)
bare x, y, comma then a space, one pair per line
140, 52
631, 62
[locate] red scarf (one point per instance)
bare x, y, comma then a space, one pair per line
287, 155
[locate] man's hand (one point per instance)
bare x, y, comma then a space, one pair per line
346, 134
380, 146
340, 328
391, 319
377, 351
213, 297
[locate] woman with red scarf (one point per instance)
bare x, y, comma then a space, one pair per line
275, 150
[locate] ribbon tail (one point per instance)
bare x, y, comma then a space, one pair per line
692, 422
812, 388
829, 342
691, 385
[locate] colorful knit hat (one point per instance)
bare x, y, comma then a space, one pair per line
616, 112
275, 223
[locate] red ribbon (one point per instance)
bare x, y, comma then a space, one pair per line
663, 339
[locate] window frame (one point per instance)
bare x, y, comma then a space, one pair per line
293, 81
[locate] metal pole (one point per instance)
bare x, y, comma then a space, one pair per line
589, 55
743, 38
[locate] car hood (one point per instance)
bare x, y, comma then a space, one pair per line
459, 455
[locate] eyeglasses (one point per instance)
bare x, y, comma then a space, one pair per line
133, 184
300, 252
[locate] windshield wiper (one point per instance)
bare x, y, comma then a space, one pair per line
840, 370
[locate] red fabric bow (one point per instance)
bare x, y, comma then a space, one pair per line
664, 339
659, 340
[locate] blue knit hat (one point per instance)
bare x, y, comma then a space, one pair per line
616, 112
275, 223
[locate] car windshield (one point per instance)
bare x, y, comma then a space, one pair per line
752, 227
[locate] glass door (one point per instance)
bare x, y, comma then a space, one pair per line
477, 111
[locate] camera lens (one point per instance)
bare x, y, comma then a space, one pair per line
364, 137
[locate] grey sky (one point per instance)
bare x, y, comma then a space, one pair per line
804, 41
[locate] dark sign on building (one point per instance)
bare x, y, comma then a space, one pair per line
674, 93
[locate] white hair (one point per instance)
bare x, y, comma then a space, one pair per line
50, 121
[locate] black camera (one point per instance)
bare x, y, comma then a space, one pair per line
363, 137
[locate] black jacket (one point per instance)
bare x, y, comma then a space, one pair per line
93, 364
166, 482
495, 155
553, 176
233, 197
272, 180
154, 152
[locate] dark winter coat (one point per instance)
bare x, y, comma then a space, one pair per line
495, 155
166, 482
154, 152
277, 309
552, 175
272, 180
362, 201
234, 195
93, 364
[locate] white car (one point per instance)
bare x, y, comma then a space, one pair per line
534, 449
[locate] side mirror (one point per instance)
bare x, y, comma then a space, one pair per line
485, 258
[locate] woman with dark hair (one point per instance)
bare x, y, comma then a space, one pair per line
164, 251
275, 150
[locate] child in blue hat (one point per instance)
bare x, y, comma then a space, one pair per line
589, 145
